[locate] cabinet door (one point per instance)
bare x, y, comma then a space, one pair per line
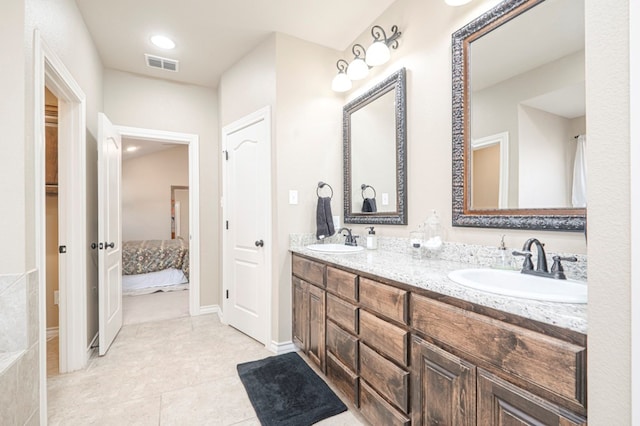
316, 336
501, 403
300, 313
443, 387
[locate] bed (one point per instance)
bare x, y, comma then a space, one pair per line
154, 265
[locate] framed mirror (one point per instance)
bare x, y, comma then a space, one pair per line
375, 157
519, 122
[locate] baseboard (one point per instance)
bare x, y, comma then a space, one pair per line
209, 309
282, 348
52, 332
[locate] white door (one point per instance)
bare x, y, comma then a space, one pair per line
109, 233
247, 230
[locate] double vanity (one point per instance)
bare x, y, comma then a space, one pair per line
405, 344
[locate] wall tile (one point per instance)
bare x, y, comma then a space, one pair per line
28, 398
13, 317
8, 395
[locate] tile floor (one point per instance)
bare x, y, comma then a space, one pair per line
178, 371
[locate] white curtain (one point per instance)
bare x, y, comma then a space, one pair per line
579, 190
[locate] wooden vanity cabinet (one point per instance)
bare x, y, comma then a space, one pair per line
309, 309
405, 356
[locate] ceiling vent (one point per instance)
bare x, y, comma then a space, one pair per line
161, 63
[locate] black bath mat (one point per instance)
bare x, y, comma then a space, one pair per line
284, 391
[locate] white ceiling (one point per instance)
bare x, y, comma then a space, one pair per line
211, 35
143, 147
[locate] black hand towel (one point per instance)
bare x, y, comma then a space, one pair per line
369, 205
324, 218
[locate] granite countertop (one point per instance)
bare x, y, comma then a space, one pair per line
431, 274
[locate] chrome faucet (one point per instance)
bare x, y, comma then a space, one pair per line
557, 271
350, 239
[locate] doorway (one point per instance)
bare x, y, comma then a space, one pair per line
192, 239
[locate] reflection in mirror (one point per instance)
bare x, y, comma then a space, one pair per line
179, 212
375, 155
518, 160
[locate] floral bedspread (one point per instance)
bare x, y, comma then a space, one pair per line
141, 257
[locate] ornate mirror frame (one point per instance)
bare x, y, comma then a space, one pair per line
563, 219
397, 83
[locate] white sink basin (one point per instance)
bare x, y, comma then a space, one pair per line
516, 284
335, 248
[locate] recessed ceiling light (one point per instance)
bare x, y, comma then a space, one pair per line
162, 42
132, 148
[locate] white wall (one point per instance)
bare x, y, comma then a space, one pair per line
608, 122
133, 100
546, 148
146, 192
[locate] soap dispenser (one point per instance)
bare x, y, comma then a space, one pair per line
502, 260
372, 239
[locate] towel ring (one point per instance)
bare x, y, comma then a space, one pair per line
322, 185
364, 188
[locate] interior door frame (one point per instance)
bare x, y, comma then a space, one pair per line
193, 141
51, 72
263, 114
634, 141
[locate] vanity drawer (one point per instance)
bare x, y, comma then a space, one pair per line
309, 270
343, 345
378, 411
344, 379
343, 313
385, 300
342, 283
553, 364
385, 377
386, 338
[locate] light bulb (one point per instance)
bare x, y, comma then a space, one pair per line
358, 69
163, 42
378, 54
341, 83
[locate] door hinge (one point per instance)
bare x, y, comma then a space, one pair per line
227, 294
226, 155
227, 224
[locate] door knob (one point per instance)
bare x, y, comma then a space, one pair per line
259, 243
109, 245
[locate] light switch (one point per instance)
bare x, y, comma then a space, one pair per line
293, 196
336, 222
385, 199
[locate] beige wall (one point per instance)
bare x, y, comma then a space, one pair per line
306, 135
607, 29
146, 192
308, 150
12, 160
132, 100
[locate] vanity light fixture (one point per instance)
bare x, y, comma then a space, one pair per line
341, 82
378, 53
163, 42
364, 59
358, 68
457, 2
